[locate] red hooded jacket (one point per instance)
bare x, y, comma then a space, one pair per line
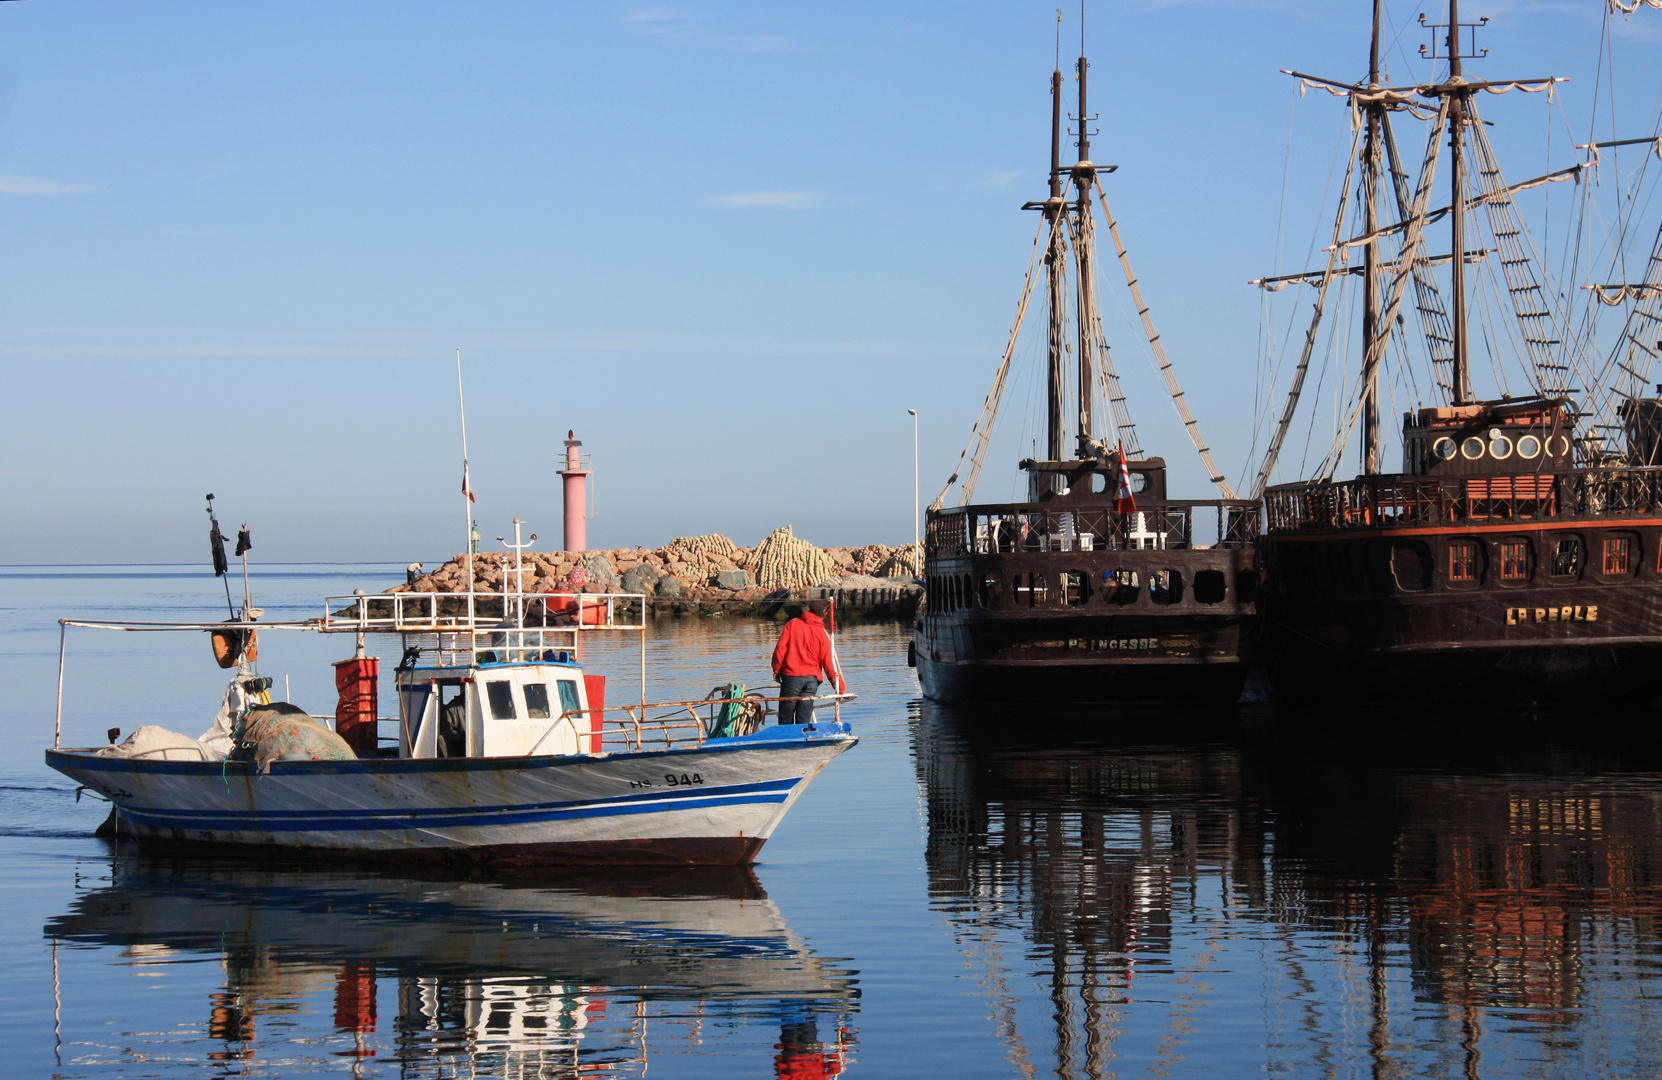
805, 649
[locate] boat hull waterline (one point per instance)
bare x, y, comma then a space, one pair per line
713, 804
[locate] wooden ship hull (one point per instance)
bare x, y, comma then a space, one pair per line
1550, 601
1103, 621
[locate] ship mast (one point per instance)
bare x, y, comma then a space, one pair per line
1460, 94
1370, 258
1056, 276
1084, 252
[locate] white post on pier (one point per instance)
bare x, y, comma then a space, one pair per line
917, 545
57, 725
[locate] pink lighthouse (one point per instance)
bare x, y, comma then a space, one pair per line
577, 479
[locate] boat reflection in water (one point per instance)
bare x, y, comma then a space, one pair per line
602, 974
1181, 896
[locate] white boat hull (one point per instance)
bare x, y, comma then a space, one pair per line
713, 804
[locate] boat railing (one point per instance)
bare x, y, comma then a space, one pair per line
1393, 501
482, 612
1011, 528
688, 722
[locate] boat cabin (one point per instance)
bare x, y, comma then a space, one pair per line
517, 709
1486, 438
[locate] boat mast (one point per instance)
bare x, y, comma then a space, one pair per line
1370, 258
1056, 274
1457, 164
1084, 253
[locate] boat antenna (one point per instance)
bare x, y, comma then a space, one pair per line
216, 548
467, 487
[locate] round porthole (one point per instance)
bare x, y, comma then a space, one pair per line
1472, 448
1500, 447
1443, 448
1529, 446
1558, 446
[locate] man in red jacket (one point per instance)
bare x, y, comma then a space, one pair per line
804, 650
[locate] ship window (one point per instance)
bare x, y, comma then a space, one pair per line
1617, 555
1566, 557
1041, 591
1514, 560
1099, 483
1120, 586
536, 700
989, 591
1076, 587
1529, 447
968, 586
1500, 447
1443, 448
1139, 482
568, 696
1209, 587
502, 699
1411, 565
1472, 448
1165, 586
1462, 560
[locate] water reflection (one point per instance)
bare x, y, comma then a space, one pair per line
1377, 896
547, 976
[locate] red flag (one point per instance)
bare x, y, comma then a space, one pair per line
467, 489
1124, 501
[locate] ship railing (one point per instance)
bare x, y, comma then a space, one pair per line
688, 722
1411, 501
1011, 528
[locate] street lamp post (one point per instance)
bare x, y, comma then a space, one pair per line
917, 546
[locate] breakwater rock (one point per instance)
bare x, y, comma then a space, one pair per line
707, 575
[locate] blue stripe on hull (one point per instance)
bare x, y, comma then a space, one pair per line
776, 791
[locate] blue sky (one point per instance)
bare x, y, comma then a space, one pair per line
729, 243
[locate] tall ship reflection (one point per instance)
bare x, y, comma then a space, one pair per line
1109, 889
492, 977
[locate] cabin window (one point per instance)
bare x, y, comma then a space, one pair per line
1566, 557
1075, 587
1472, 448
969, 591
501, 696
1120, 586
1529, 447
1462, 560
1041, 591
1411, 565
1209, 587
1165, 586
1618, 555
989, 591
1443, 449
1514, 560
536, 700
568, 696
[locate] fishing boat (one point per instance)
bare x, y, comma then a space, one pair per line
1098, 585
1516, 555
505, 750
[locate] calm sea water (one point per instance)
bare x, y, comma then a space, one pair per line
998, 892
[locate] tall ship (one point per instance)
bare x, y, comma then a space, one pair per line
1097, 585
1515, 557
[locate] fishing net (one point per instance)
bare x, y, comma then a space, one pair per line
282, 732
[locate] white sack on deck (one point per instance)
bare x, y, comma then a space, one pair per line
217, 739
158, 743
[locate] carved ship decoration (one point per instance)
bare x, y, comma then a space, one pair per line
1517, 556
1084, 591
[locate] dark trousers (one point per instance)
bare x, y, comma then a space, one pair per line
797, 712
